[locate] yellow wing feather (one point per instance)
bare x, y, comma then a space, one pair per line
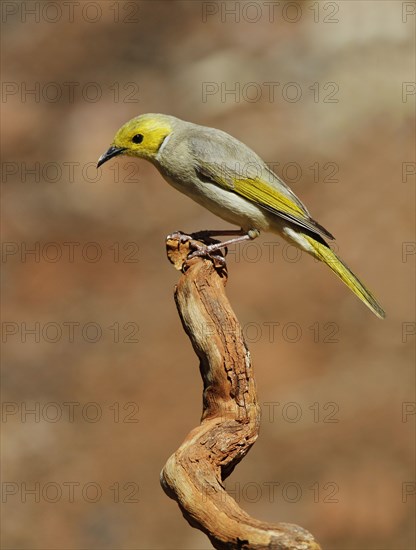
265, 195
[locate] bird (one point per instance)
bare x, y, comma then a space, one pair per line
229, 179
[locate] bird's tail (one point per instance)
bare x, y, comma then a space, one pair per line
328, 256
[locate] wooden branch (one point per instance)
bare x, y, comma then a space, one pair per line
193, 475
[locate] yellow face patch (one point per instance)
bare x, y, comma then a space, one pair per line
142, 136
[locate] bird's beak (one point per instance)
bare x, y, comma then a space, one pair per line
112, 152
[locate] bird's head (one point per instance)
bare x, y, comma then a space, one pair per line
141, 136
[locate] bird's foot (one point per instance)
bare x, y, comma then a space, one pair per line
201, 245
212, 248
212, 251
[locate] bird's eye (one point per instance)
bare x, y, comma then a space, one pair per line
138, 138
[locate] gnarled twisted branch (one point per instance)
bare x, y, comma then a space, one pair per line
229, 426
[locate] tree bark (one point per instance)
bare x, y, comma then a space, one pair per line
230, 421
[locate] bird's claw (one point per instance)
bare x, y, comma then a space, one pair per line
213, 252
180, 236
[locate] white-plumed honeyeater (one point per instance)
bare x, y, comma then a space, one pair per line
232, 181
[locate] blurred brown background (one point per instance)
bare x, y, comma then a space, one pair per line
92, 343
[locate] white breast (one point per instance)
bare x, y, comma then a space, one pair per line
227, 205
